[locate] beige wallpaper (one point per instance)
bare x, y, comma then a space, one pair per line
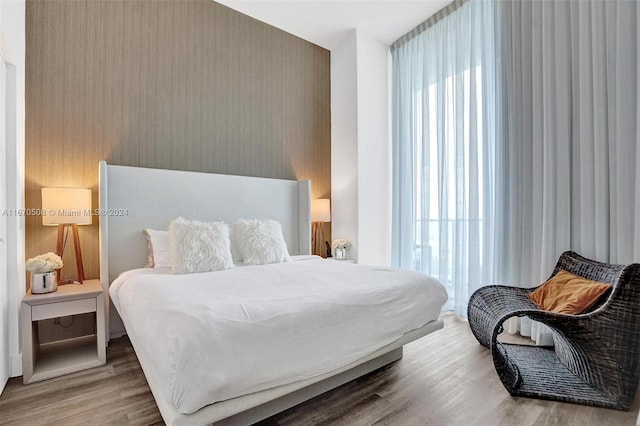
188, 85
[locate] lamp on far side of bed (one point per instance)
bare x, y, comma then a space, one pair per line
320, 213
67, 207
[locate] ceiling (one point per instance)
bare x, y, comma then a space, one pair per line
327, 23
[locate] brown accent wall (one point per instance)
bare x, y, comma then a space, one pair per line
182, 84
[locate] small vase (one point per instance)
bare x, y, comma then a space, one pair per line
46, 282
340, 254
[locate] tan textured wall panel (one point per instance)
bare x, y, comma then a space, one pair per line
186, 85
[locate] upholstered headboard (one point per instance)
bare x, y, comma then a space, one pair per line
134, 198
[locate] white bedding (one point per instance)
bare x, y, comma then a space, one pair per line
217, 335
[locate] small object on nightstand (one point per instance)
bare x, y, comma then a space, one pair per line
45, 361
44, 277
46, 282
340, 247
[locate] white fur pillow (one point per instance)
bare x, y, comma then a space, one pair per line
199, 246
260, 242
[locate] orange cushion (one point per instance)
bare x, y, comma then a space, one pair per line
566, 293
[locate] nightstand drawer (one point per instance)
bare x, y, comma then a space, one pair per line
61, 309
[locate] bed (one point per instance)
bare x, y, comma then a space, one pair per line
239, 345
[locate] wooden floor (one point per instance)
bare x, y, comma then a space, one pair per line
445, 378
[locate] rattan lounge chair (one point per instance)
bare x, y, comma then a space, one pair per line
596, 355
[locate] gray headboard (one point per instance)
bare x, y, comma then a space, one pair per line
134, 198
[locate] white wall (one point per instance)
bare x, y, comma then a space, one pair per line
5, 367
374, 151
344, 143
12, 49
360, 147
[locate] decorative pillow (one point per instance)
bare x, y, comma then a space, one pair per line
199, 246
260, 242
566, 293
158, 254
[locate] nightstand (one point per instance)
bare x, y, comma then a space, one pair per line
44, 361
342, 260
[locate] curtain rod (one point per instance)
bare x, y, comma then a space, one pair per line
436, 17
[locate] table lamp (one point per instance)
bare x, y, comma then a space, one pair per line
67, 207
320, 213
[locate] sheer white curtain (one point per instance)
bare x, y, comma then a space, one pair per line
571, 120
446, 176
516, 136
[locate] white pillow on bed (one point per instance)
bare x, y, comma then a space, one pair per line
159, 255
199, 246
260, 242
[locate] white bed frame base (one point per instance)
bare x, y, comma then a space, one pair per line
285, 402
248, 409
134, 198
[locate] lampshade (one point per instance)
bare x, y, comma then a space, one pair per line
321, 210
63, 206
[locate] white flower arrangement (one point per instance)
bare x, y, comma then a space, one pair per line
43, 263
341, 244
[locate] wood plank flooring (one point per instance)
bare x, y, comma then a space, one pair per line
445, 378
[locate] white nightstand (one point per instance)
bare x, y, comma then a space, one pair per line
44, 361
342, 260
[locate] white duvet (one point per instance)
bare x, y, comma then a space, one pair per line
217, 335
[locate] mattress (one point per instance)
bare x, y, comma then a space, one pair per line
218, 335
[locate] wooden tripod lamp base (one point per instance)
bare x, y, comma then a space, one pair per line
76, 248
317, 239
